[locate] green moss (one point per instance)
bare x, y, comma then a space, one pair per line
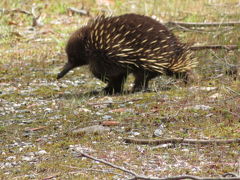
45, 91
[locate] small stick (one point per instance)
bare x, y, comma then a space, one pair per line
16, 11
188, 177
51, 177
180, 141
78, 11
36, 129
116, 102
227, 47
229, 175
108, 163
237, 93
208, 24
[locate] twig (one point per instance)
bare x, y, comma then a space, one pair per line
229, 98
238, 167
188, 29
189, 177
227, 47
208, 24
78, 11
233, 91
229, 175
108, 163
36, 18
51, 177
5, 11
137, 177
180, 141
36, 129
116, 102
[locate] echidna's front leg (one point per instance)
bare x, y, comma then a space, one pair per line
140, 83
142, 79
115, 84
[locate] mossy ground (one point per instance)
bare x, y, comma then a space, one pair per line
31, 97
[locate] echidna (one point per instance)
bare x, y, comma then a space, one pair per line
113, 47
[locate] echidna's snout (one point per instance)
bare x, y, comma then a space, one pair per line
67, 67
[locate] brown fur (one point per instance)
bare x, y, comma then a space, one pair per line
113, 47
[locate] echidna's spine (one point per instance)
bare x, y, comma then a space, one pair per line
113, 47
134, 43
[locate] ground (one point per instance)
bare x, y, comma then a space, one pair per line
41, 118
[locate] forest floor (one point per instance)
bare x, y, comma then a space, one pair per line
43, 121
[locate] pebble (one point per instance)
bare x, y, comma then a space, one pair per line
107, 117
11, 158
159, 131
135, 133
28, 158
41, 152
199, 107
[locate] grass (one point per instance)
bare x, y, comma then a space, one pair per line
30, 97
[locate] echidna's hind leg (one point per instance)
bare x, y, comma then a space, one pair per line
183, 76
187, 77
114, 78
115, 84
142, 79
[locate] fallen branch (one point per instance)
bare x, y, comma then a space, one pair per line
227, 47
208, 24
137, 177
180, 141
108, 163
5, 11
189, 177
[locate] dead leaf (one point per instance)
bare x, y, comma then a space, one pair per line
47, 31
105, 2
119, 110
237, 130
110, 123
13, 23
36, 129
15, 33
51, 177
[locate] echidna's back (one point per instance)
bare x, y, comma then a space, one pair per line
136, 41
